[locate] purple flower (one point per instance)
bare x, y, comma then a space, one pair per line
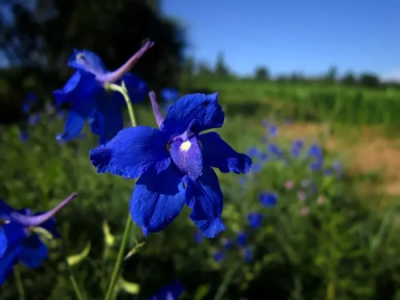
90, 100
241, 238
255, 219
218, 256
170, 292
268, 199
17, 240
174, 164
273, 131
248, 254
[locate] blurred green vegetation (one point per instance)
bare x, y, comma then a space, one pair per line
336, 248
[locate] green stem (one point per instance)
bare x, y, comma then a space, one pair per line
122, 89
75, 286
70, 274
18, 282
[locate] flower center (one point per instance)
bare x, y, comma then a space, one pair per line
185, 146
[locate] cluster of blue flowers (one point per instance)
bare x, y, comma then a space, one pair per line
173, 164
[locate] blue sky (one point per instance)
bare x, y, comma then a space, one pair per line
293, 35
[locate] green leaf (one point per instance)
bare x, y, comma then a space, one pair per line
109, 239
77, 258
129, 287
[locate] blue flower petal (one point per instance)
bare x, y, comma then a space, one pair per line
108, 120
255, 219
7, 262
34, 252
171, 292
137, 88
268, 199
218, 256
73, 126
204, 196
248, 254
131, 152
157, 199
186, 154
200, 107
169, 94
3, 242
241, 238
88, 61
217, 153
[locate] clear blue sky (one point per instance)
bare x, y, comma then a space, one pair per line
293, 35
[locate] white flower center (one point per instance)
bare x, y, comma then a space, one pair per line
185, 146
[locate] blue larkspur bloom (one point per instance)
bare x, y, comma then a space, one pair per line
315, 151
273, 131
296, 148
198, 237
30, 100
86, 92
275, 150
248, 254
174, 164
255, 219
169, 95
24, 136
253, 152
171, 292
241, 238
218, 256
17, 240
268, 199
256, 168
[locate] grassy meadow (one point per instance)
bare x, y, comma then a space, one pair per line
325, 231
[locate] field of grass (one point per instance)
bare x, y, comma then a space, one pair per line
322, 239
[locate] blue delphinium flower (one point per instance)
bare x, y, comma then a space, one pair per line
248, 254
17, 240
297, 147
255, 219
174, 164
315, 151
241, 238
268, 199
256, 168
253, 152
170, 292
275, 150
24, 136
272, 131
218, 256
30, 100
226, 243
198, 237
34, 119
169, 95
263, 156
90, 100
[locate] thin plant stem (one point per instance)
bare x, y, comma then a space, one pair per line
71, 275
122, 89
18, 282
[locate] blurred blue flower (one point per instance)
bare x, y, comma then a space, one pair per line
17, 240
242, 181
198, 237
315, 151
263, 156
248, 254
256, 168
255, 219
268, 199
275, 150
253, 152
30, 100
24, 136
169, 95
218, 256
316, 165
296, 149
226, 243
168, 179
328, 172
34, 119
273, 131
241, 238
90, 100
170, 292
265, 123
